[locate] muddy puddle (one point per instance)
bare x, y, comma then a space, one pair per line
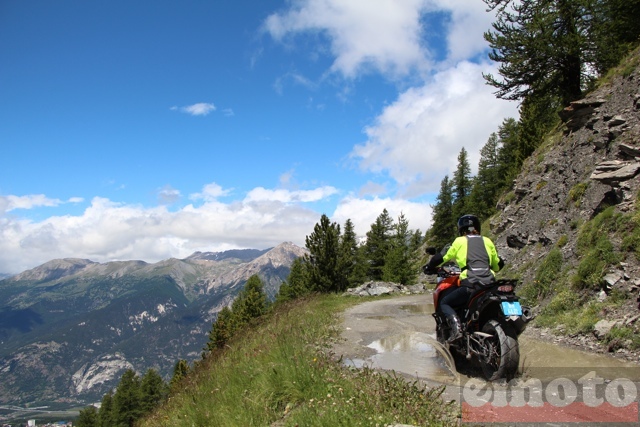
412, 350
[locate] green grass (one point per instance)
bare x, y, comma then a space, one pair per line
281, 372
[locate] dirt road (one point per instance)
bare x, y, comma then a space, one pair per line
399, 334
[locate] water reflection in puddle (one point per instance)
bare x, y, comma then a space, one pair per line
418, 308
413, 353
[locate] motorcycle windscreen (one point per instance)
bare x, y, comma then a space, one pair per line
511, 308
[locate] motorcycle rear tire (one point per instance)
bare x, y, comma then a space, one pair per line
504, 352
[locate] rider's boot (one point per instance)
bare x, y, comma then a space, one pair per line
456, 329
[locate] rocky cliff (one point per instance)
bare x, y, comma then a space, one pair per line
590, 165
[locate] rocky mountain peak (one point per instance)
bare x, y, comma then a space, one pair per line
54, 269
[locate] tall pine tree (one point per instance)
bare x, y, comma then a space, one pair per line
323, 257
399, 263
487, 184
443, 225
127, 400
462, 184
297, 283
351, 262
378, 244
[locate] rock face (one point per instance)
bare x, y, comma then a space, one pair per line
70, 328
593, 164
384, 288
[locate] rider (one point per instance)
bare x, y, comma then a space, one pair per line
478, 259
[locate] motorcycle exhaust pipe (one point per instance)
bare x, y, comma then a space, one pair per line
527, 315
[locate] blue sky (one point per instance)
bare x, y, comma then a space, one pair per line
153, 129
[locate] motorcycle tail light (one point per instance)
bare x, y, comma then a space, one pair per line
505, 288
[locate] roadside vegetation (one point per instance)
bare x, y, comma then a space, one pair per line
281, 372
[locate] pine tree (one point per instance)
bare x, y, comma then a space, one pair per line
615, 30
127, 400
351, 262
180, 371
378, 244
462, 184
323, 257
443, 226
297, 283
88, 417
153, 390
251, 302
510, 155
106, 413
398, 266
488, 183
539, 45
221, 330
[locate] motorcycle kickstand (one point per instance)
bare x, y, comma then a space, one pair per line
468, 356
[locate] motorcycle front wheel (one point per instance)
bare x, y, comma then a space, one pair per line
502, 352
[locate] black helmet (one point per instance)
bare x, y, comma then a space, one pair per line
468, 223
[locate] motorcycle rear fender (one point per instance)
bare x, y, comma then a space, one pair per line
486, 306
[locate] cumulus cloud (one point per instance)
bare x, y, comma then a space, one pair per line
363, 212
384, 36
389, 36
108, 230
10, 203
417, 138
199, 109
168, 195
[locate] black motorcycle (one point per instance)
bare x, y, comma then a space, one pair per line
491, 322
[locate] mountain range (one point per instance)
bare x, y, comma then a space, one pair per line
70, 327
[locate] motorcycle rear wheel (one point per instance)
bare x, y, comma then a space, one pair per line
503, 352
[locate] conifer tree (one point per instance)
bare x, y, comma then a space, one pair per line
88, 417
378, 244
399, 266
539, 45
323, 257
127, 402
251, 302
153, 390
221, 330
443, 226
297, 283
488, 182
462, 184
510, 155
351, 262
106, 413
180, 371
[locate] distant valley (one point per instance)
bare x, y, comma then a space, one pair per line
70, 327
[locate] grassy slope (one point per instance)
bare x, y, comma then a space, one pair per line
281, 372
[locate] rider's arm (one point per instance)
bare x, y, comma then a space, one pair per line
434, 262
495, 261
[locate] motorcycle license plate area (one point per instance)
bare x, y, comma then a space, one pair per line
512, 308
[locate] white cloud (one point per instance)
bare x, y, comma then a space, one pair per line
168, 195
383, 35
416, 139
10, 203
287, 196
386, 36
363, 212
107, 230
210, 192
199, 109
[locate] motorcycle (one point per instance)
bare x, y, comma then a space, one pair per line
491, 322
